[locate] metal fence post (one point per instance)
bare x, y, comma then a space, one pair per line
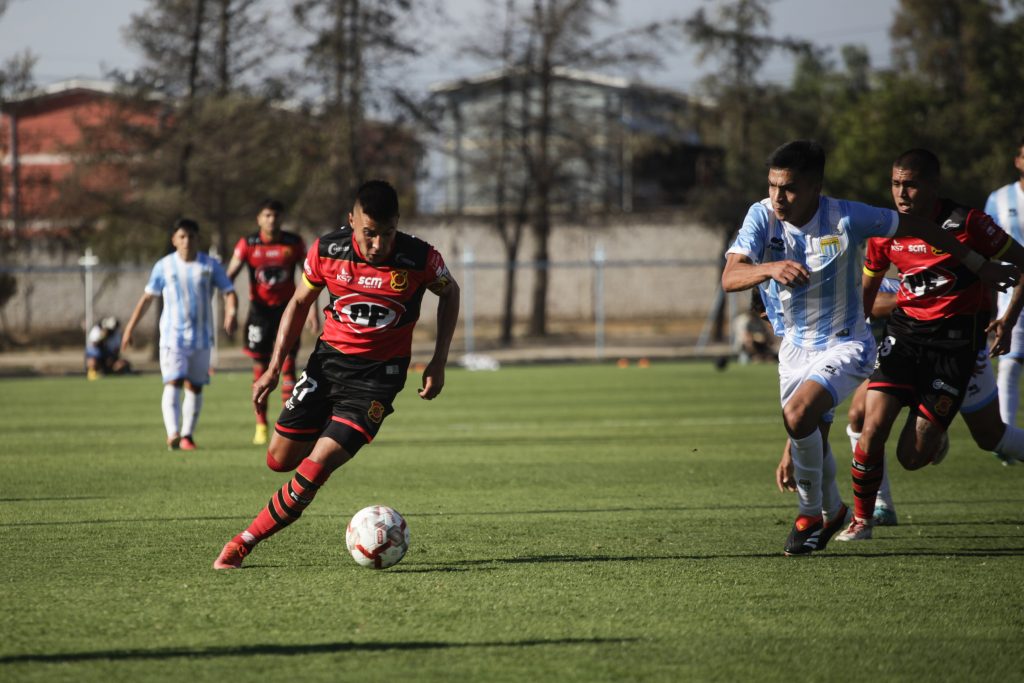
599, 261
88, 262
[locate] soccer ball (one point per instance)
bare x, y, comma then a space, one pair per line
377, 537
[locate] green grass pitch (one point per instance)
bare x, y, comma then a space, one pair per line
569, 523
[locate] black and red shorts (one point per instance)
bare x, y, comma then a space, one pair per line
931, 380
343, 397
261, 330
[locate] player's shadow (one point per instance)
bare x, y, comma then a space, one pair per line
290, 650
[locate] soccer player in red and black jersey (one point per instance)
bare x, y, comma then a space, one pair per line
376, 278
272, 256
931, 341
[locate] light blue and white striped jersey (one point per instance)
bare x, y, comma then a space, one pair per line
829, 309
1006, 207
187, 290
890, 285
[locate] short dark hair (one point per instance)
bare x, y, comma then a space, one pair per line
272, 204
921, 161
378, 200
186, 224
805, 157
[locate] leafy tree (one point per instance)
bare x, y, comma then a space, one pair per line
352, 43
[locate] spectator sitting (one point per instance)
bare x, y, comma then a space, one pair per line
103, 350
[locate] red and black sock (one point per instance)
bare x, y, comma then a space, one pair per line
288, 504
867, 472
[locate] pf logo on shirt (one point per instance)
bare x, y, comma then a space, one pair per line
366, 314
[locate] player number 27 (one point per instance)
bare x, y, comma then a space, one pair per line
305, 385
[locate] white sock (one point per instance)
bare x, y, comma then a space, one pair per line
171, 410
884, 496
190, 412
808, 460
1012, 443
854, 437
830, 496
1008, 383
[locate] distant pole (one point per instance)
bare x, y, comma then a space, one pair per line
88, 262
599, 260
468, 267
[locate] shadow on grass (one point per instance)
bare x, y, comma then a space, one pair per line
49, 499
290, 650
558, 559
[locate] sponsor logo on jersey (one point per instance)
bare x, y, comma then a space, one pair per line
376, 411
917, 248
333, 249
366, 314
950, 224
399, 280
344, 276
929, 281
403, 260
374, 281
776, 244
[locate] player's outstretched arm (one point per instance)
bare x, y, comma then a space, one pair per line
1002, 276
447, 318
140, 310
741, 273
287, 333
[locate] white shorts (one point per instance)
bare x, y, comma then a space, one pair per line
189, 364
840, 369
981, 390
1017, 336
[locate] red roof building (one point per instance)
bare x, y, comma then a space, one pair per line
39, 133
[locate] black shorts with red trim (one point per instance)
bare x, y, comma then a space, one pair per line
932, 381
261, 330
343, 397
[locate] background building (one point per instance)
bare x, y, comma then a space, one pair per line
618, 146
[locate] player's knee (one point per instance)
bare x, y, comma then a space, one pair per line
280, 463
912, 459
855, 417
800, 422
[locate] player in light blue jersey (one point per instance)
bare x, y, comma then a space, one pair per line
185, 280
805, 251
1006, 206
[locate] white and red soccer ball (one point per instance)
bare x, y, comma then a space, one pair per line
377, 537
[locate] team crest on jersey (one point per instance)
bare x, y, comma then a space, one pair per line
943, 405
376, 411
829, 246
399, 280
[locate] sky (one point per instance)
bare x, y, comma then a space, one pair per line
83, 38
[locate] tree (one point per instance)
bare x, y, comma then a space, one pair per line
544, 129
751, 118
352, 43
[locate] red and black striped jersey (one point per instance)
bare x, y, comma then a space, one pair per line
373, 307
271, 266
933, 284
